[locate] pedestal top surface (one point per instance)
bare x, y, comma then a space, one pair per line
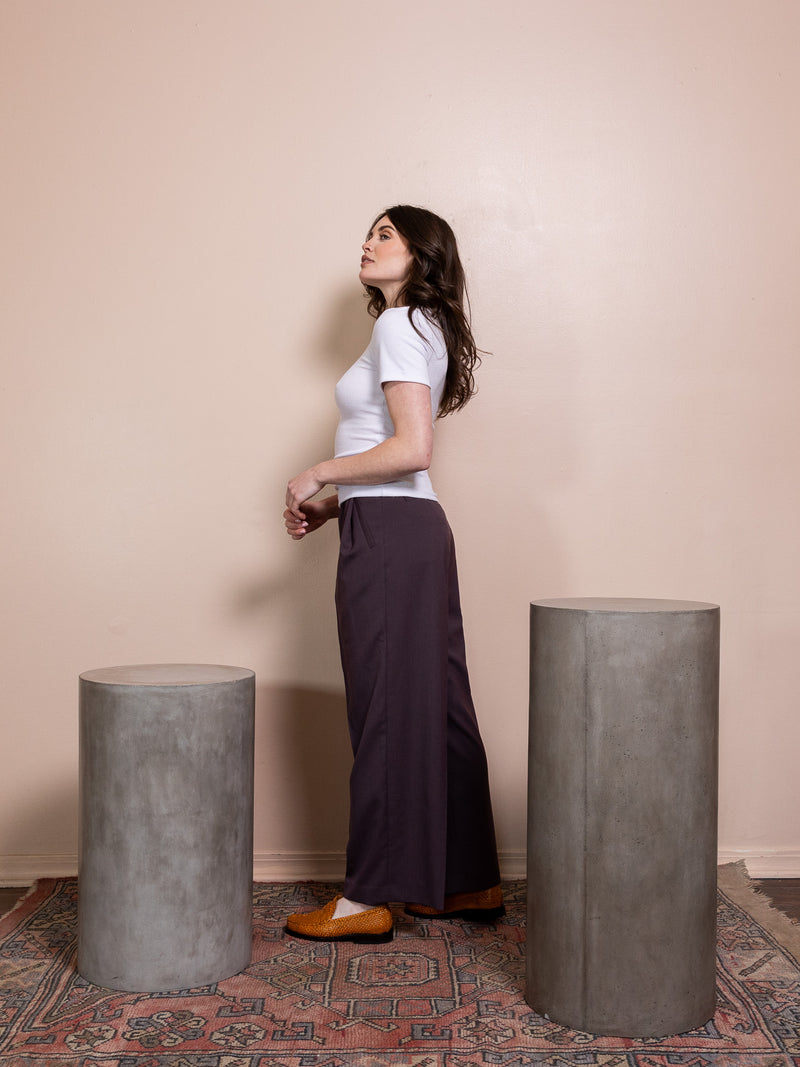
623, 604
167, 674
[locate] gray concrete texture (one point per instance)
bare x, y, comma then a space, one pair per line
622, 814
166, 825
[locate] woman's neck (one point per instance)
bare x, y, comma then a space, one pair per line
392, 295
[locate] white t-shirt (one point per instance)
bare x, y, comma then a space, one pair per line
395, 353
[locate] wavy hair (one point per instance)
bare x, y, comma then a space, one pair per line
436, 284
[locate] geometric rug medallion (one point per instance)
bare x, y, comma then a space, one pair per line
438, 995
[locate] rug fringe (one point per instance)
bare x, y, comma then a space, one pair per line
735, 882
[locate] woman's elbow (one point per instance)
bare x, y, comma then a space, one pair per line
421, 456
415, 461
414, 454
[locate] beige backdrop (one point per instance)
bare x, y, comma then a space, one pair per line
185, 188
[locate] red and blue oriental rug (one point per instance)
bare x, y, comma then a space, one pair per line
439, 995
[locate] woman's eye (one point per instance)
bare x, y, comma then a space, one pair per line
384, 237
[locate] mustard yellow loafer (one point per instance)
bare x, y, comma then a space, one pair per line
482, 907
366, 927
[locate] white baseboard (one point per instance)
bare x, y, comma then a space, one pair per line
267, 867
25, 870
298, 866
329, 866
771, 863
19, 870
513, 864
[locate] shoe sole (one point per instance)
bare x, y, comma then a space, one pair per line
475, 915
356, 939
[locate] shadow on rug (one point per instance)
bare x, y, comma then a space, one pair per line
439, 995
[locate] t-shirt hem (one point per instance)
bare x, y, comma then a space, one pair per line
394, 376
347, 492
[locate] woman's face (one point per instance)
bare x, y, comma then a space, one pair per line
386, 260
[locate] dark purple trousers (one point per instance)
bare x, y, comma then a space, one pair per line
420, 812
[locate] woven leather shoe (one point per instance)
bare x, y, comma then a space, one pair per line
482, 907
364, 928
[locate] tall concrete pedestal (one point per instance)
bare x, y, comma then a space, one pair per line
622, 814
166, 837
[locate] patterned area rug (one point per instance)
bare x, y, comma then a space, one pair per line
439, 995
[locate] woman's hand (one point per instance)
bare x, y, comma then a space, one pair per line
315, 513
301, 488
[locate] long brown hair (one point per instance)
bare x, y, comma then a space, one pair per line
437, 286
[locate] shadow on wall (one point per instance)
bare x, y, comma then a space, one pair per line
303, 762
303, 755
345, 334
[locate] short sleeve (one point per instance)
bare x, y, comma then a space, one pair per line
402, 355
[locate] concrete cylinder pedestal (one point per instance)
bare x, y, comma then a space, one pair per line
166, 825
622, 814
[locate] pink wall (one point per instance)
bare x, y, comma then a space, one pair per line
185, 187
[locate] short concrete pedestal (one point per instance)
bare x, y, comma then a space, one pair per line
166, 808
622, 814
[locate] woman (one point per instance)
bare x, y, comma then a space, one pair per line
421, 828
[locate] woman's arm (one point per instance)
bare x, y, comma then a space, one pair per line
407, 451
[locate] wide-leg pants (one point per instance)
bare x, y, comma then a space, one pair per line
421, 819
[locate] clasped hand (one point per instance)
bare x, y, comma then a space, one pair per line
303, 515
